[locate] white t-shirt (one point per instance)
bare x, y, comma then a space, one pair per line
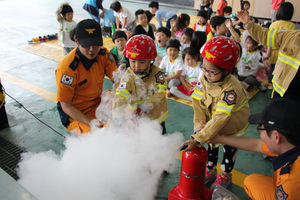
66, 28
121, 58
170, 68
125, 13
192, 74
248, 63
200, 27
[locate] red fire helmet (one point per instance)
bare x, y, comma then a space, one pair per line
140, 47
222, 52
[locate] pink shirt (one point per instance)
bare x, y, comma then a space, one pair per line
276, 4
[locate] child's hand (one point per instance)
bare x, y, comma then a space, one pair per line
243, 16
121, 67
158, 59
168, 93
228, 23
190, 145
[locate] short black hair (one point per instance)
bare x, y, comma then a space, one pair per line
149, 15
116, 6
139, 12
198, 40
203, 13
173, 43
227, 9
217, 21
154, 4
192, 52
188, 31
236, 30
252, 40
165, 30
285, 11
119, 34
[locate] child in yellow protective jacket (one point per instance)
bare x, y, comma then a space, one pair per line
220, 106
142, 88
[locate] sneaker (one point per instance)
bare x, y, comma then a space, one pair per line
223, 180
210, 176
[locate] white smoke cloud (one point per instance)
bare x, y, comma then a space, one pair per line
111, 163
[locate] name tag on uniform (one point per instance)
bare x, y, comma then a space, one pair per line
67, 80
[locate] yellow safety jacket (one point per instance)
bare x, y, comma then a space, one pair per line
146, 92
288, 61
223, 105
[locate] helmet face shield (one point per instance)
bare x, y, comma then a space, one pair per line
222, 52
140, 47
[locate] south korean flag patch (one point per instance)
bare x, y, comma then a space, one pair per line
230, 97
122, 85
67, 80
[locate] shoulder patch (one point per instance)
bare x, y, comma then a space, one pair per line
230, 97
199, 85
74, 63
122, 85
67, 80
102, 51
160, 77
280, 194
110, 57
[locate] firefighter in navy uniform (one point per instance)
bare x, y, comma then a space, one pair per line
142, 89
220, 106
278, 127
3, 116
80, 76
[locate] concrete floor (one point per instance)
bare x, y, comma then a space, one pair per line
26, 77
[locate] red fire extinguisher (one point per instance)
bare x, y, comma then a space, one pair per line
192, 175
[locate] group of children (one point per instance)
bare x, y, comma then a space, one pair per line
219, 100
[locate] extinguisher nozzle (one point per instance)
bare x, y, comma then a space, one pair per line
183, 147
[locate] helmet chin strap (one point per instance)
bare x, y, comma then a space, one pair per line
145, 74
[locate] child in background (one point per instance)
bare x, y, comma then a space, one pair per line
159, 14
124, 18
143, 86
227, 11
208, 5
190, 76
222, 25
248, 65
245, 5
218, 24
64, 16
186, 38
109, 20
202, 22
179, 25
162, 36
143, 27
119, 38
93, 7
198, 40
172, 64
220, 106
221, 5
149, 17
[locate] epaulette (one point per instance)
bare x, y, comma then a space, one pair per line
102, 52
74, 63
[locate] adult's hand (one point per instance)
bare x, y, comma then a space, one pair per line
243, 16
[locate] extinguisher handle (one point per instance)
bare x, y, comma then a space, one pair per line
183, 147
